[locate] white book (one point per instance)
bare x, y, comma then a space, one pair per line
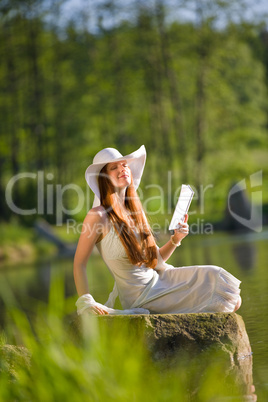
183, 204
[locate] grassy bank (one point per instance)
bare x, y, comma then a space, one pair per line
21, 244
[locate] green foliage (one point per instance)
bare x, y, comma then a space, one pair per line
194, 94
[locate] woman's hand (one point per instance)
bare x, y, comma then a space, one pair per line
182, 232
87, 304
174, 240
95, 310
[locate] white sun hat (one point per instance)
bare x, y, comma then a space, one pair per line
136, 162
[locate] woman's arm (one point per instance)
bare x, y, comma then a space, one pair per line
92, 229
167, 250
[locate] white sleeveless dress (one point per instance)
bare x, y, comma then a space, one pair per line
166, 289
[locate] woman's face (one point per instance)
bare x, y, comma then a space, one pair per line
119, 173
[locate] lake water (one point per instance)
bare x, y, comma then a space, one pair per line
245, 256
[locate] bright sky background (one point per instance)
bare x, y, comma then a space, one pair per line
256, 9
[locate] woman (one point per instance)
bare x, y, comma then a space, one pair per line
117, 225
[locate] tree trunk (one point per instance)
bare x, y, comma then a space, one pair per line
36, 120
174, 93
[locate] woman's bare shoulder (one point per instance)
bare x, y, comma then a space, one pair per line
97, 215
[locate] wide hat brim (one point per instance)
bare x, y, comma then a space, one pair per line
136, 162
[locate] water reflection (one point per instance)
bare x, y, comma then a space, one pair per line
245, 255
25, 286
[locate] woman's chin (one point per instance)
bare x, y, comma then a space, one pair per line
123, 183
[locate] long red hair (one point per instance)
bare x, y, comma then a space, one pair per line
138, 241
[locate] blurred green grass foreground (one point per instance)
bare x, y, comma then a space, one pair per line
43, 358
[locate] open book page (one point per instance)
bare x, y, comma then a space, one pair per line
183, 204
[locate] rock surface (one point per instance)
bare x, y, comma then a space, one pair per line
197, 334
171, 337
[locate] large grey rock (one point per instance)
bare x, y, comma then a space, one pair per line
195, 334
200, 337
